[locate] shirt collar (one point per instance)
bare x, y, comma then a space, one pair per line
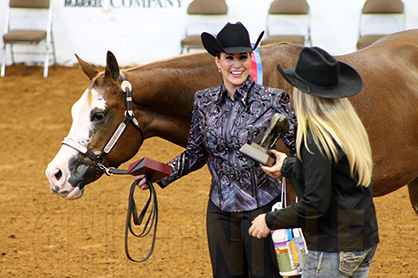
242, 93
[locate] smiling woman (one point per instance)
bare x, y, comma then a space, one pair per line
224, 118
235, 69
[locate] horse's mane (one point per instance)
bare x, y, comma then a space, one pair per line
183, 61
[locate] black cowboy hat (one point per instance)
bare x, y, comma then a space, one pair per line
233, 38
319, 74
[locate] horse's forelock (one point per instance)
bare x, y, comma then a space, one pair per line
105, 85
97, 99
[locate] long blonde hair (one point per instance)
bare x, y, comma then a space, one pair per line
334, 119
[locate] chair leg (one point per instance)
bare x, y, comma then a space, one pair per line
12, 54
46, 62
3, 61
46, 65
53, 50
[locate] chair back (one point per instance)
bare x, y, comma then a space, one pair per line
29, 4
289, 7
383, 7
208, 7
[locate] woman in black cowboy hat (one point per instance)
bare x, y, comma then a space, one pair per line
225, 118
332, 173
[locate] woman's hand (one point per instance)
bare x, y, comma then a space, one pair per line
275, 170
259, 227
143, 182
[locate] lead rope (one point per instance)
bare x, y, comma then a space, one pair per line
132, 214
283, 193
137, 220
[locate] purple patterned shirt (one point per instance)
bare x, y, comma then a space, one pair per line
219, 127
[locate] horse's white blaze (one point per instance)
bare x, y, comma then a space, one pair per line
58, 171
80, 112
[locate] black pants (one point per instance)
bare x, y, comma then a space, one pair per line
233, 252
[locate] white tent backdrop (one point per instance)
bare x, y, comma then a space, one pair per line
142, 31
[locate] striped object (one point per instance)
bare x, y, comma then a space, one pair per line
256, 67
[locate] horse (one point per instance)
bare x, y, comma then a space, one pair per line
162, 94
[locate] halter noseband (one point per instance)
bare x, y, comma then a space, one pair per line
99, 156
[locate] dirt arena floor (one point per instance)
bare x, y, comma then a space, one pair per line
42, 235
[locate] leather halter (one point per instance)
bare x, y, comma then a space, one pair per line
99, 156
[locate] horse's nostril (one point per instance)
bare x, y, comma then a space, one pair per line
58, 175
55, 190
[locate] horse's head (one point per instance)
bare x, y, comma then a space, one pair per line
103, 134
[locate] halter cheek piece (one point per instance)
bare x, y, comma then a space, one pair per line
99, 156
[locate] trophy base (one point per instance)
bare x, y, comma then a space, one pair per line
258, 153
154, 170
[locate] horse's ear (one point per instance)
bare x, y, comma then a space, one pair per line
112, 67
88, 69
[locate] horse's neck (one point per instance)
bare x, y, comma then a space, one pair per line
166, 92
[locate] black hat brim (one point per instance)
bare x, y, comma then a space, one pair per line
349, 83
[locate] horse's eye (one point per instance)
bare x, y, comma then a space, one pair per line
97, 116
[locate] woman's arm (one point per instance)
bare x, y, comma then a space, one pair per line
315, 181
275, 170
192, 159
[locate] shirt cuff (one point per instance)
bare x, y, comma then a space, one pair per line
287, 166
162, 184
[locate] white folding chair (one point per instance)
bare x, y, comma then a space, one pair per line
288, 20
203, 16
28, 23
379, 18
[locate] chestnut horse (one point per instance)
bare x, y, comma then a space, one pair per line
163, 94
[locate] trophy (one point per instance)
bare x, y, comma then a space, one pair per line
154, 170
279, 124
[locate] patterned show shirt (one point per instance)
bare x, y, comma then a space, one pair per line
219, 127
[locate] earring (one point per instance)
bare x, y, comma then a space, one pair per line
219, 69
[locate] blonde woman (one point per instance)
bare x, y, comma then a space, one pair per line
332, 173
